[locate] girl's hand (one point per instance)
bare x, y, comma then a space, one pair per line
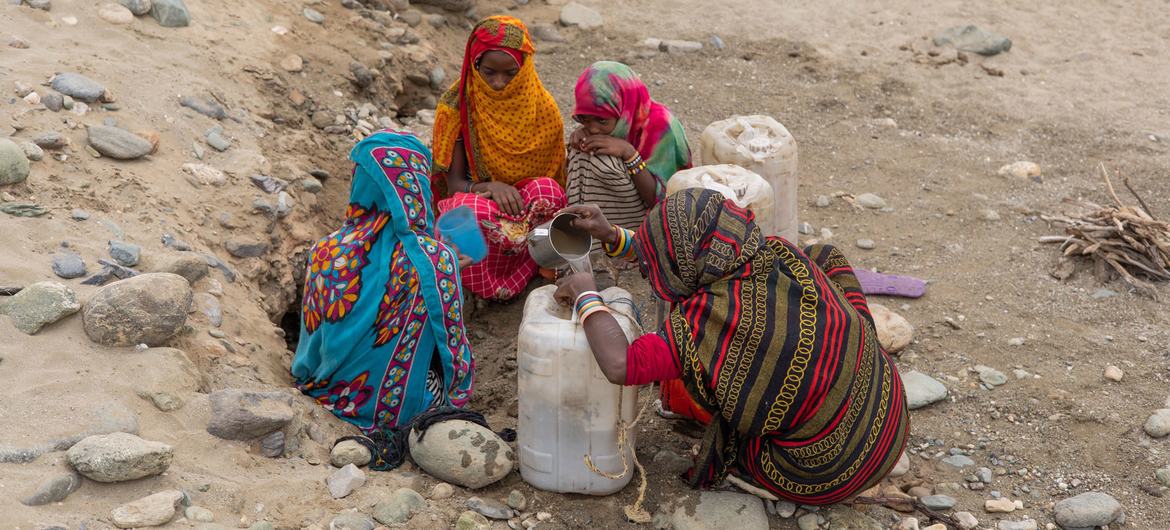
464, 261
570, 287
504, 195
577, 139
602, 144
590, 219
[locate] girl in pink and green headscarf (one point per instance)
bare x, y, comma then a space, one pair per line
627, 147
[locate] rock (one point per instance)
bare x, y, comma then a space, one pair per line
966, 520
145, 309
972, 39
1158, 424
78, 87
866, 244
808, 521
292, 63
1114, 373
517, 501
412, 17
351, 521
119, 457
343, 481
984, 475
313, 15
262, 525
118, 144
1163, 476
138, 7
399, 509
462, 453
205, 106
51, 140
958, 461
574, 14
679, 46
14, 167
1026, 524
894, 332
470, 520
246, 248
311, 185
203, 174
17, 42
723, 509
32, 151
871, 201
321, 119
39, 305
546, 33
1088, 510
349, 452
449, 5
53, 101
189, 265
115, 14
54, 489
170, 13
1020, 170
68, 266
490, 508
908, 523
785, 509
841, 517
1001, 505
43, 5
1016, 341
126, 254
243, 415
989, 215
990, 376
902, 466
922, 390
154, 510
198, 514
272, 446
939, 502
672, 462
822, 201
217, 141
79, 215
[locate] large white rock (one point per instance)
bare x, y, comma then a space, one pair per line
722, 509
119, 457
155, 510
894, 332
462, 453
922, 390
146, 309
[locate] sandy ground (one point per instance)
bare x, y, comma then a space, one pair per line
1082, 85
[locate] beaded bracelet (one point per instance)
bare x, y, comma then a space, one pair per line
635, 165
623, 247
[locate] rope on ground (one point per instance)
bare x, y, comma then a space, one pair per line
634, 512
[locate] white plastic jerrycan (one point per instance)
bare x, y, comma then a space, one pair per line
762, 145
744, 188
568, 409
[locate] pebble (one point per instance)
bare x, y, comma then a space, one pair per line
902, 466
984, 475
806, 229
672, 462
119, 457
823, 201
145, 309
68, 266
922, 390
517, 501
402, 505
14, 167
442, 491
1001, 505
53, 101
79, 215
246, 247
437, 20
490, 508
574, 14
115, 14
203, 174
1163, 476
118, 143
989, 215
990, 376
349, 452
1016, 341
50, 140
1026, 524
412, 17
1020, 170
54, 489
939, 502
154, 510
546, 33
908, 523
1158, 424
724, 509
292, 63
43, 5
871, 201
39, 305
78, 87
351, 521
204, 106
1088, 510
966, 520
866, 244
244, 415
313, 15
32, 151
785, 509
343, 481
126, 254
189, 265
217, 141
138, 7
470, 520
679, 46
894, 332
32, 98
311, 185
808, 521
18, 43
1114, 373
170, 13
958, 461
273, 445
199, 514
462, 453
972, 39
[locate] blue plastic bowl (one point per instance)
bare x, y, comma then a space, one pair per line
459, 228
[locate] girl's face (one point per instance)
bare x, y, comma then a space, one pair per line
497, 69
596, 124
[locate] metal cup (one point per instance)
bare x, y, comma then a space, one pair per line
554, 243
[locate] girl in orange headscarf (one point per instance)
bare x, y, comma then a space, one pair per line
499, 149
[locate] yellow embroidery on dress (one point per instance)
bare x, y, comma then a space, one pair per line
805, 343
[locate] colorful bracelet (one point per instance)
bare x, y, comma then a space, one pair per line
588, 303
601, 309
635, 165
623, 247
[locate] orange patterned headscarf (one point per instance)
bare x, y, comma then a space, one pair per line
509, 135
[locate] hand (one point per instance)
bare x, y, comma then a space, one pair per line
504, 195
570, 287
577, 139
464, 261
590, 219
603, 144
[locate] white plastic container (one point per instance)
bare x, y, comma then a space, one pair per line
568, 409
744, 188
762, 145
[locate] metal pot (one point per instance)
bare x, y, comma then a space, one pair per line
554, 243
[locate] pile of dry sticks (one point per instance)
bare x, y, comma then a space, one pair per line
1126, 240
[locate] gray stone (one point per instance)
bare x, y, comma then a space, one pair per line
204, 106
938, 502
808, 521
209, 306
43, 5
138, 7
154, 510
822, 201
490, 508
871, 201
79, 215
985, 475
32, 151
311, 185
39, 305
198, 514
119, 457
1158, 424
785, 509
672, 462
1103, 293
806, 229
14, 166
51, 140
54, 489
517, 501
546, 33
246, 248
78, 87
1026, 524
343, 481
351, 521
1088, 510
262, 525
118, 144
243, 415
402, 505
679, 46
462, 453
449, 5
272, 446
53, 101
145, 309
313, 15
958, 461
189, 265
1163, 476
866, 244
126, 254
574, 14
966, 520
349, 452
723, 509
438, 77
218, 142
470, 520
170, 13
990, 376
412, 17
841, 517
972, 39
922, 390
69, 266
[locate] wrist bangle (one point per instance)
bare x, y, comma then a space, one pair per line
469, 185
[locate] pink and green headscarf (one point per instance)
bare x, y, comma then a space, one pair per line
612, 90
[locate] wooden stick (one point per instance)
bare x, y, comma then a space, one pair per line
943, 518
1141, 201
1109, 185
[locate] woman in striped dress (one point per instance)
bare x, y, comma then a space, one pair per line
776, 345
